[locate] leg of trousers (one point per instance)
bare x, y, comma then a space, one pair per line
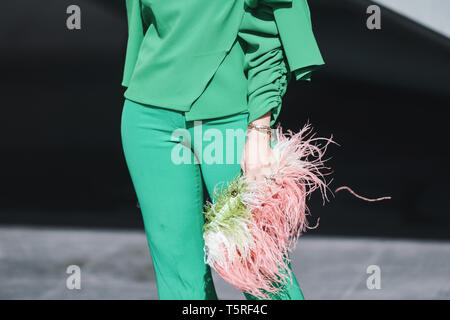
170, 191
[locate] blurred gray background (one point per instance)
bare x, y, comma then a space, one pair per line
66, 197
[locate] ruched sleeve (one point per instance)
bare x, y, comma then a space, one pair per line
279, 42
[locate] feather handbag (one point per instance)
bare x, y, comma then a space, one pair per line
252, 226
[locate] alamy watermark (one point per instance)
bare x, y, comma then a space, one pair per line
73, 21
73, 281
374, 280
374, 20
209, 146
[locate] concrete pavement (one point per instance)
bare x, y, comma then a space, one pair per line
117, 265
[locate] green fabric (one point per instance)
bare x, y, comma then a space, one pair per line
171, 195
213, 58
226, 93
293, 20
265, 64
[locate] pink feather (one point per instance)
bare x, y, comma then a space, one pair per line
279, 213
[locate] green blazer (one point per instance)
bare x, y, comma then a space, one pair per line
213, 58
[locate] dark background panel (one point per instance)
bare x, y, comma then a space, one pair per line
383, 95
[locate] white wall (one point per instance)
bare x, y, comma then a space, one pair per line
434, 14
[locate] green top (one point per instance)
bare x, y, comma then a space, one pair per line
212, 58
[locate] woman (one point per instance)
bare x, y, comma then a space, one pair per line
207, 66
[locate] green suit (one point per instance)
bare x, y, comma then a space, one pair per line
214, 58
225, 62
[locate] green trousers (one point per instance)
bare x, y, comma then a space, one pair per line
168, 175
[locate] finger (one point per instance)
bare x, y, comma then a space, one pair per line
244, 160
273, 164
266, 171
273, 168
260, 176
252, 173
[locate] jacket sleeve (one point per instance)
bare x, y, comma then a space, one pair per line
135, 36
278, 43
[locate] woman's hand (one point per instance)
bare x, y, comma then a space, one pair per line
257, 159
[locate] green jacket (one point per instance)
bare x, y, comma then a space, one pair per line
213, 58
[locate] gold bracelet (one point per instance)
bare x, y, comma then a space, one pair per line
261, 128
